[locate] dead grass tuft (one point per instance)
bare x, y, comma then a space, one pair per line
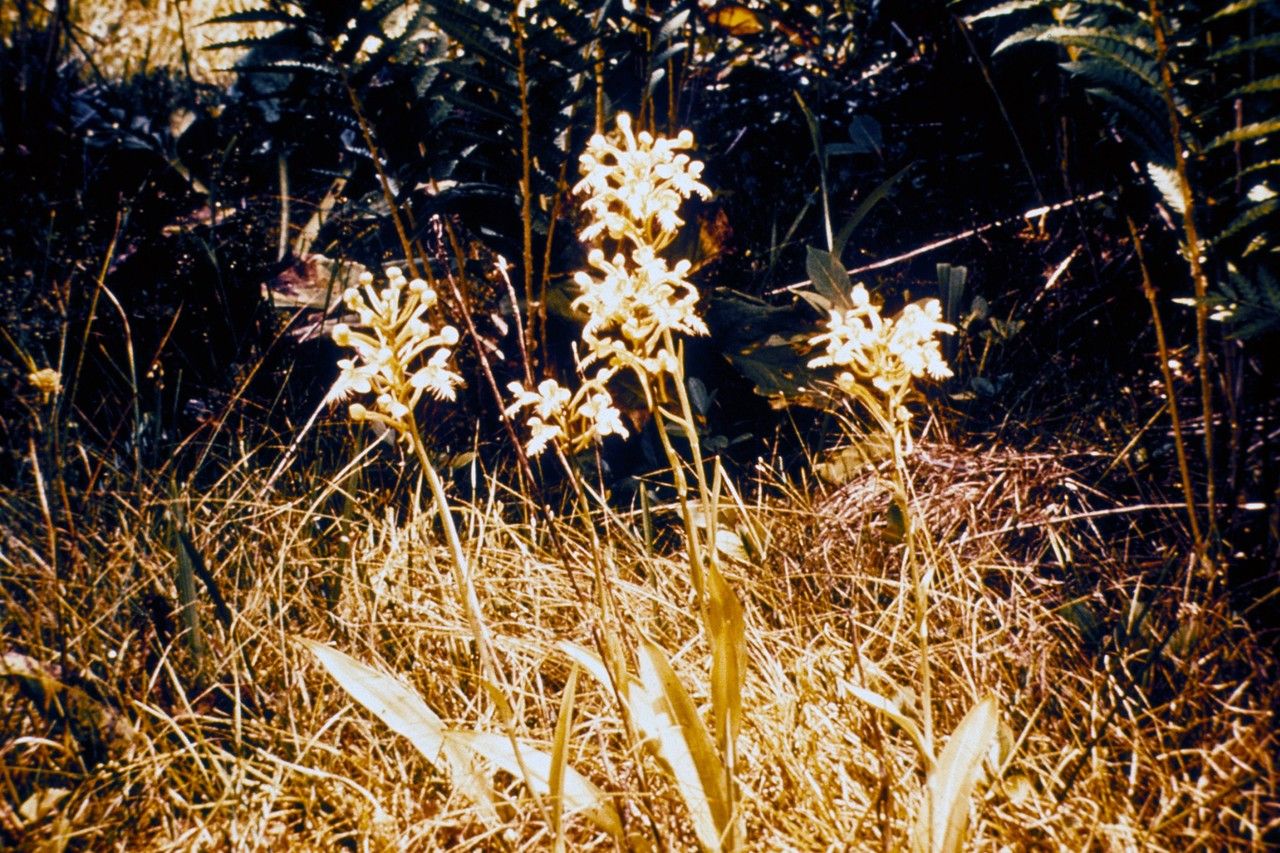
1133, 717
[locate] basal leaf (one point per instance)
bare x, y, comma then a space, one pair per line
405, 713
951, 783
580, 793
829, 277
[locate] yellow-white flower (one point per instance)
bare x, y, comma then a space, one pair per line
541, 434
886, 352
604, 417
639, 299
46, 381
392, 334
636, 184
633, 300
576, 419
548, 401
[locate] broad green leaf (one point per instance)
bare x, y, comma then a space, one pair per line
580, 793
405, 713
829, 277
669, 717
559, 753
951, 783
728, 657
668, 720
865, 135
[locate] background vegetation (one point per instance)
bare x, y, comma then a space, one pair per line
191, 534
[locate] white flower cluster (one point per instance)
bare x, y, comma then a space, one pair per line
635, 185
887, 352
635, 301
635, 188
391, 335
560, 415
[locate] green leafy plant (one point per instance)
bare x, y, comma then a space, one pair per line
875, 361
633, 186
1193, 90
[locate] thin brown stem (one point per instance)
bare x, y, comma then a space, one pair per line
1162, 348
533, 308
1199, 278
367, 133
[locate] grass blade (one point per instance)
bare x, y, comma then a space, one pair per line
559, 750
890, 710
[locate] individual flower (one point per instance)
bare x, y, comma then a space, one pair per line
604, 417
541, 434
46, 381
391, 336
548, 401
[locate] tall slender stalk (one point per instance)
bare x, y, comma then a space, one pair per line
1199, 278
535, 309
1162, 350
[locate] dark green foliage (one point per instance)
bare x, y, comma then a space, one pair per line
1249, 306
1222, 82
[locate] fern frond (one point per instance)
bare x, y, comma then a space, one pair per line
1251, 307
290, 65
1130, 52
1252, 215
1266, 84
1110, 75
259, 16
1236, 8
1143, 128
248, 43
1008, 8
1271, 41
1256, 130
1253, 168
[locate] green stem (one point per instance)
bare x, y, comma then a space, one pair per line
460, 568
682, 495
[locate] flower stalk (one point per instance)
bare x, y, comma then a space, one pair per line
878, 359
389, 341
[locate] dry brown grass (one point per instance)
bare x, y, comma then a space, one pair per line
1131, 718
120, 38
